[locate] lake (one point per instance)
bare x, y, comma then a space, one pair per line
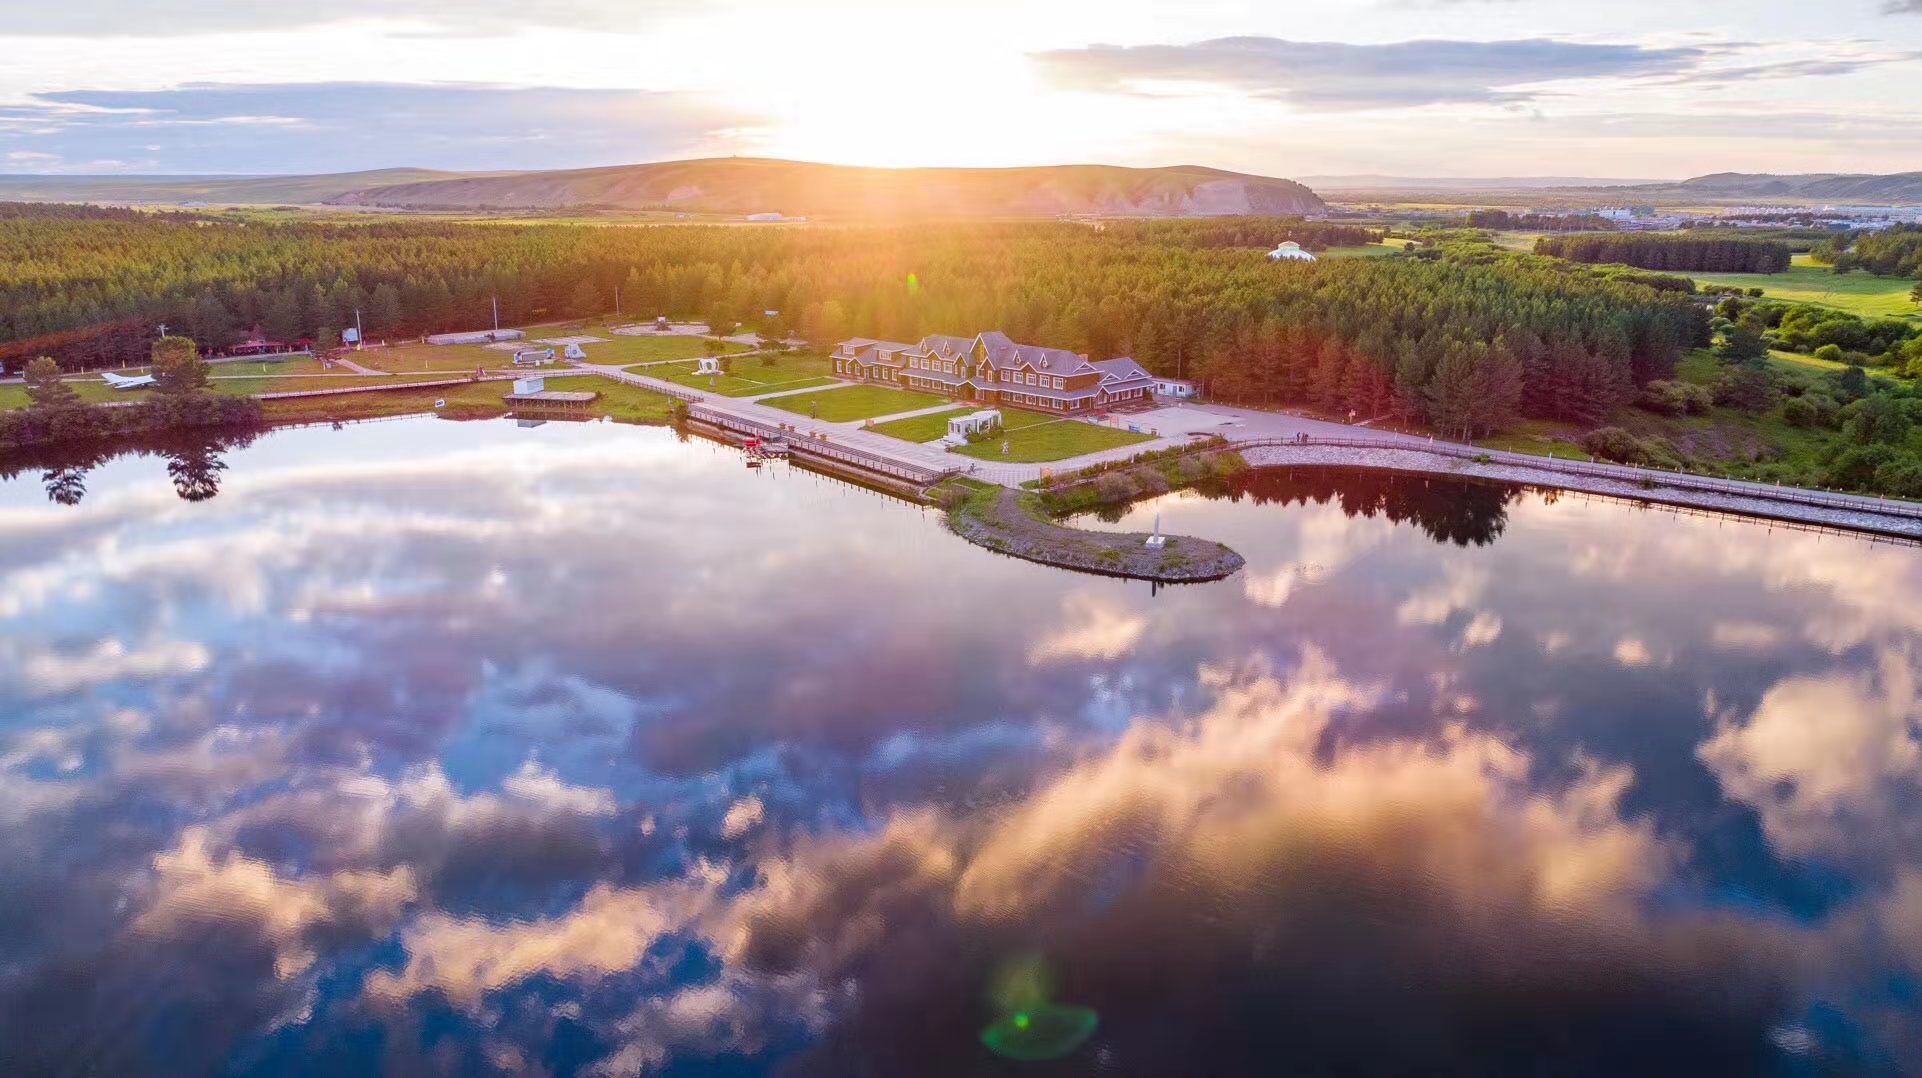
475, 748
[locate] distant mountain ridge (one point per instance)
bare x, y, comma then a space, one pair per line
1370, 182
731, 185
245, 190
805, 189
1828, 186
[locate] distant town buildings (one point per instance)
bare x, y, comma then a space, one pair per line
995, 370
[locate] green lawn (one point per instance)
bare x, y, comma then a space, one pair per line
854, 402
1362, 250
1048, 440
250, 386
748, 377
644, 349
436, 357
920, 428
1806, 282
263, 367
620, 401
15, 395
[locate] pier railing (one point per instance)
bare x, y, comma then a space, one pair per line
801, 442
1626, 473
1644, 478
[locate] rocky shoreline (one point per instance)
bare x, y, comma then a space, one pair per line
1012, 523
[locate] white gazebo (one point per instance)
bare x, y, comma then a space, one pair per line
1290, 252
710, 365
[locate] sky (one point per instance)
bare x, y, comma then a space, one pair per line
1636, 89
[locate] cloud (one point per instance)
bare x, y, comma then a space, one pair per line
1903, 7
1338, 75
52, 673
1235, 857
1829, 762
1484, 628
168, 18
345, 126
464, 958
743, 816
1460, 587
197, 893
1093, 629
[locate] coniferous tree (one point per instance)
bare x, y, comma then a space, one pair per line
47, 387
177, 368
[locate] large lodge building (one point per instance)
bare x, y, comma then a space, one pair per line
993, 369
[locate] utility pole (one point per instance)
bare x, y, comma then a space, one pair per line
497, 315
360, 332
163, 329
617, 303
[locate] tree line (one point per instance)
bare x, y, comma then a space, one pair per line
1263, 232
1461, 334
1891, 252
181, 401
1682, 253
1501, 220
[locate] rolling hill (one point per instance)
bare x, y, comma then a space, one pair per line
238, 190
1900, 187
802, 189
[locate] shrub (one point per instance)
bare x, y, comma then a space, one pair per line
1856, 467
1675, 398
1830, 352
1811, 410
1618, 445
1901, 477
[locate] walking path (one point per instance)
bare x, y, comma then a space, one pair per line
344, 360
1280, 439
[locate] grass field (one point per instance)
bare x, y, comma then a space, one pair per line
251, 386
1049, 439
920, 428
435, 357
854, 402
1363, 250
1798, 362
646, 349
1723, 441
290, 365
619, 401
1806, 282
749, 376
15, 396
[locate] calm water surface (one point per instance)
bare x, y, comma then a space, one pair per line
428, 747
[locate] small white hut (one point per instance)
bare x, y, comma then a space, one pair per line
527, 386
1290, 252
963, 426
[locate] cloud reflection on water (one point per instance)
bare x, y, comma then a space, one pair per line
496, 741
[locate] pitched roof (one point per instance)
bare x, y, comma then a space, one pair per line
1122, 369
946, 346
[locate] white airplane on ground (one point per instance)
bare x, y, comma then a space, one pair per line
123, 381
